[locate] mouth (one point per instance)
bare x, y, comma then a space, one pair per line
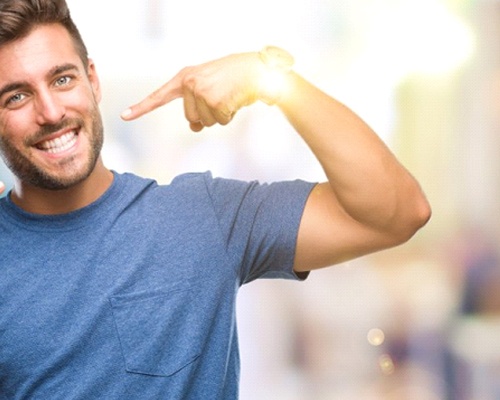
58, 144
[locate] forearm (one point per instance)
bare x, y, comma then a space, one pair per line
369, 183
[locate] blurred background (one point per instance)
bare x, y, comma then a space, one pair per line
419, 322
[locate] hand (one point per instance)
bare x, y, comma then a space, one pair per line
2, 187
213, 92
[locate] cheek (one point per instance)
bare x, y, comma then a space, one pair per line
80, 102
11, 128
16, 128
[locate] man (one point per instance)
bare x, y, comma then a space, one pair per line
114, 287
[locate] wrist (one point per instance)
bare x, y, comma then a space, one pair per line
277, 65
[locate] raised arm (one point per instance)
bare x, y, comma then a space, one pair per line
370, 201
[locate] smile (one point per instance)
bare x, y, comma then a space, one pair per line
60, 144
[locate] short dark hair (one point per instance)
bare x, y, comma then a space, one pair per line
19, 17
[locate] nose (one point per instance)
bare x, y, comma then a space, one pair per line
49, 109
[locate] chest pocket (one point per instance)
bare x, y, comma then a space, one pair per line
160, 332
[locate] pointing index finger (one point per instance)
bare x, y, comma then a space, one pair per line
165, 94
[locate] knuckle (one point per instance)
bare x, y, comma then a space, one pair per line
156, 96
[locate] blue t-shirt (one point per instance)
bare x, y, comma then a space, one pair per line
133, 296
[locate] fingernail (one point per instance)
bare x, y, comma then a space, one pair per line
126, 113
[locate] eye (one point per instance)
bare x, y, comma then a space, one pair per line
63, 80
15, 99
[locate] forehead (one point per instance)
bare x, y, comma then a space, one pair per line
38, 52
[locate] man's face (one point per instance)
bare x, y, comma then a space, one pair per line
50, 127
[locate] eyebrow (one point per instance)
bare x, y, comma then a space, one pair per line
58, 69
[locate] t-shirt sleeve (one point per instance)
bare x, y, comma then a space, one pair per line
259, 223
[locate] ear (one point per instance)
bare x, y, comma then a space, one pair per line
94, 80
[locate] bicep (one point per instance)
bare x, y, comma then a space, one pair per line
328, 235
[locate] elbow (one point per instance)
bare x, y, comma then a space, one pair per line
424, 213
416, 218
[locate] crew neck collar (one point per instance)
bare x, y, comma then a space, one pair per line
66, 221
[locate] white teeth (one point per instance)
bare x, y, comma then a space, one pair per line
59, 144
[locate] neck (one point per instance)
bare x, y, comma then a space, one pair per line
50, 202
